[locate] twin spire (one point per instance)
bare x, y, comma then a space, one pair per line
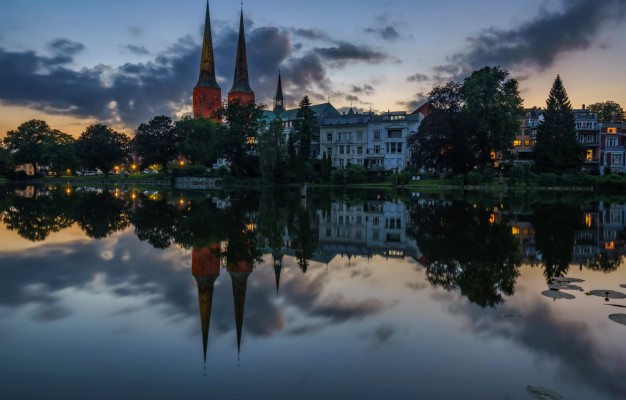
240, 90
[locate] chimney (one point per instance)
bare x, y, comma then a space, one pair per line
583, 106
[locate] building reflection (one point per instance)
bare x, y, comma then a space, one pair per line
205, 267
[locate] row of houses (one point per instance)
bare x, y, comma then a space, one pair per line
604, 143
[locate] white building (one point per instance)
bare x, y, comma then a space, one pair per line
370, 140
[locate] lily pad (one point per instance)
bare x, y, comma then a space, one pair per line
619, 318
564, 286
556, 295
538, 392
565, 279
609, 294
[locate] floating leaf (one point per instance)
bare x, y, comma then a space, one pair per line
619, 318
538, 392
609, 294
556, 295
565, 279
565, 286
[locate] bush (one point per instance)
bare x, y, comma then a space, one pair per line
190, 171
488, 175
401, 178
458, 180
517, 173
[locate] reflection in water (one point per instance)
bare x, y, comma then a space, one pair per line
473, 247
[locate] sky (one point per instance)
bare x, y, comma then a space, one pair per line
74, 62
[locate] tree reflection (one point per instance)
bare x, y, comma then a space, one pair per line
100, 214
605, 262
555, 231
465, 248
154, 221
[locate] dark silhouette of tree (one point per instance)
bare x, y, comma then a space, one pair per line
272, 150
197, 138
555, 228
155, 142
100, 215
242, 124
6, 161
26, 143
605, 262
557, 149
101, 147
608, 111
304, 128
59, 152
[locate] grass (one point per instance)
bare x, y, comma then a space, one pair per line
112, 178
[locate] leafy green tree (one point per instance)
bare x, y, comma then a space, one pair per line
237, 136
59, 152
608, 111
197, 139
272, 150
557, 149
26, 143
491, 110
155, 142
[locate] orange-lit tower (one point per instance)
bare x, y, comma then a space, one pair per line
241, 86
207, 95
205, 267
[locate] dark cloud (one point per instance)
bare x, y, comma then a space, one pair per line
387, 33
66, 47
311, 34
344, 52
136, 50
418, 78
136, 31
365, 89
352, 98
538, 43
418, 100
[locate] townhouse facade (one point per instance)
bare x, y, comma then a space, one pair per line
376, 142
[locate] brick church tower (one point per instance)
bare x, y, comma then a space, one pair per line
207, 95
241, 86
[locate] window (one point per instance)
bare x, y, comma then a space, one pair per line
328, 231
376, 234
359, 135
375, 221
393, 148
330, 151
394, 134
359, 150
340, 163
341, 149
526, 142
359, 219
611, 141
329, 137
616, 158
517, 143
377, 149
611, 130
359, 162
348, 149
589, 156
376, 135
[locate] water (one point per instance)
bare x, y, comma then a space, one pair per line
360, 294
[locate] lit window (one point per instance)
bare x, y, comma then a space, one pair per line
526, 142
517, 143
611, 130
251, 140
589, 156
515, 230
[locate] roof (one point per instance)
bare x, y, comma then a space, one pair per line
321, 111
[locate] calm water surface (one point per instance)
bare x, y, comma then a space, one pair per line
137, 294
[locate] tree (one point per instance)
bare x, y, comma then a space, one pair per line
59, 152
238, 135
272, 149
492, 106
26, 143
608, 111
155, 142
197, 140
557, 149
304, 128
6, 161
101, 147
442, 141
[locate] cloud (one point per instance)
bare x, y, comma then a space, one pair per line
386, 33
136, 31
66, 47
410, 105
344, 52
365, 89
539, 43
418, 78
136, 50
352, 98
312, 34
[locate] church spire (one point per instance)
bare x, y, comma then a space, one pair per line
279, 100
241, 86
239, 276
207, 94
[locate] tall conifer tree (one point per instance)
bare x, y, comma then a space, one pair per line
557, 149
